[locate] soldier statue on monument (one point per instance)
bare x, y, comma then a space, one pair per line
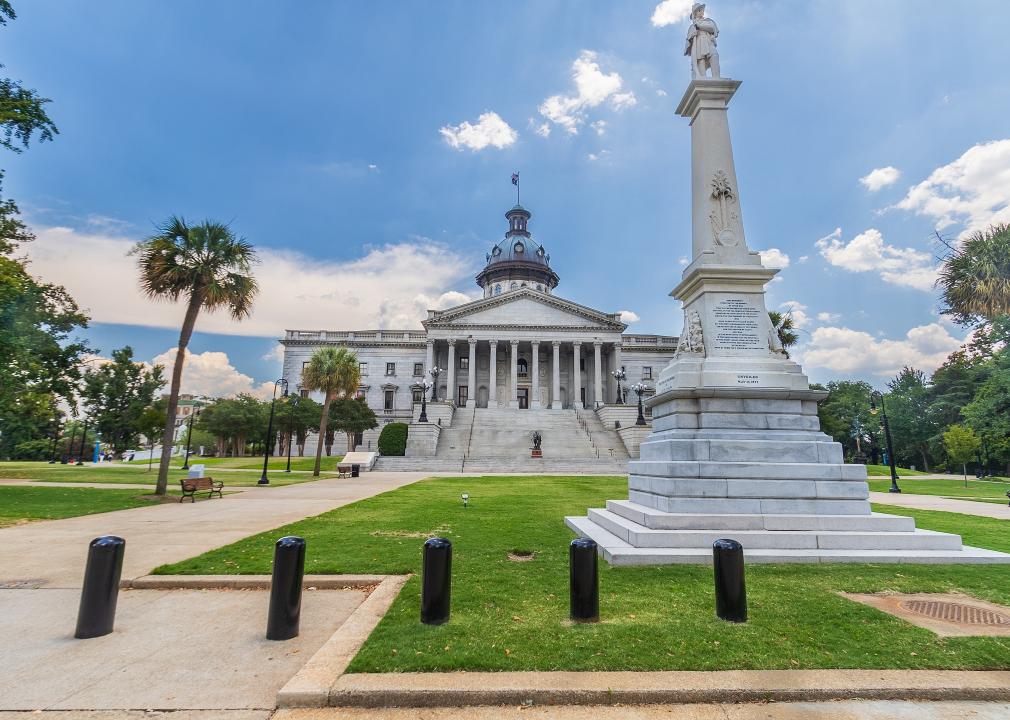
700, 46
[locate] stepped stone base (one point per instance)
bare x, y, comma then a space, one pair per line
754, 468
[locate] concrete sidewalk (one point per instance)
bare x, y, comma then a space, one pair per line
935, 502
52, 553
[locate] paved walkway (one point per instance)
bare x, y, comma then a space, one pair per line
935, 502
52, 553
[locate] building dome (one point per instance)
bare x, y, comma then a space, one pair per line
517, 261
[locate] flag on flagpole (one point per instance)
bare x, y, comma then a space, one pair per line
515, 179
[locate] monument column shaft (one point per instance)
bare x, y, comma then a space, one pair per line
597, 374
471, 376
450, 377
492, 391
535, 384
556, 377
576, 375
514, 361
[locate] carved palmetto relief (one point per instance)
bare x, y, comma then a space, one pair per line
724, 214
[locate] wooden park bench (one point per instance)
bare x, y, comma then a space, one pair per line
343, 470
191, 486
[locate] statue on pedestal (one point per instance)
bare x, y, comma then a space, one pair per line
700, 46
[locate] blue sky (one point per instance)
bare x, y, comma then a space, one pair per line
331, 135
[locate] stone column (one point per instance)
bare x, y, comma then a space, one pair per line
492, 387
556, 376
471, 376
597, 373
577, 375
450, 372
429, 358
514, 361
535, 401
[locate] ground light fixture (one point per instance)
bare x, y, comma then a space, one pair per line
466, 500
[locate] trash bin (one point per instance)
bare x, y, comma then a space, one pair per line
355, 470
196, 471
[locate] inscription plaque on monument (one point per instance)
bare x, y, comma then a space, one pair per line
737, 324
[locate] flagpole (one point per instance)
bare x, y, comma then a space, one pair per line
517, 189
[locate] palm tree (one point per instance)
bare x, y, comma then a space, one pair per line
209, 267
785, 328
975, 277
335, 373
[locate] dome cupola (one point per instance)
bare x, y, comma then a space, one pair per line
517, 261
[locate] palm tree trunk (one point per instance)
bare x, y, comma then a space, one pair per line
322, 432
168, 438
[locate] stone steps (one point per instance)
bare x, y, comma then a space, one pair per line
746, 506
620, 552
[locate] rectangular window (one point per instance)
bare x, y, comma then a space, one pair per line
464, 363
582, 363
416, 395
391, 368
360, 393
464, 393
363, 368
418, 369
647, 373
305, 393
387, 402
304, 365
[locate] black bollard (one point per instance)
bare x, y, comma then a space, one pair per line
436, 578
97, 612
584, 580
730, 591
286, 588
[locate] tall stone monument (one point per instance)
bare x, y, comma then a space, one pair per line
736, 449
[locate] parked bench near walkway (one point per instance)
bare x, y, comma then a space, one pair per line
191, 486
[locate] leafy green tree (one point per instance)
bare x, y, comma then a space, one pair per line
393, 439
988, 414
117, 393
785, 328
352, 416
209, 267
22, 111
297, 414
335, 373
845, 414
151, 424
975, 277
233, 421
908, 412
961, 445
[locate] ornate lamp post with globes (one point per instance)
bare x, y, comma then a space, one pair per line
874, 396
264, 480
435, 372
640, 389
619, 375
423, 387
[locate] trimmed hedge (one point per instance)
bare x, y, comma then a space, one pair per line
393, 439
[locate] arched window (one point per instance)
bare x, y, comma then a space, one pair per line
497, 289
522, 367
514, 285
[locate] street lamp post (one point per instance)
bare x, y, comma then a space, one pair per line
423, 417
619, 375
435, 372
189, 436
84, 440
264, 480
640, 389
887, 436
293, 405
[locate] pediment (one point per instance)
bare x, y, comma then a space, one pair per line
524, 308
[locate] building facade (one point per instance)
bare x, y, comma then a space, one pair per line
519, 346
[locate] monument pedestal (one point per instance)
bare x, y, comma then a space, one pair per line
736, 449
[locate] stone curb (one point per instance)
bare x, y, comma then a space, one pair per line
675, 687
310, 687
246, 582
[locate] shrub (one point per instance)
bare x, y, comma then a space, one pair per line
393, 439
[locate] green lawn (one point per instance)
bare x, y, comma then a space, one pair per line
23, 504
984, 490
256, 463
133, 473
885, 471
513, 615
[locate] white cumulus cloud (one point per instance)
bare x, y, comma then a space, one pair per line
593, 87
212, 374
880, 178
867, 252
490, 130
797, 311
853, 352
974, 190
629, 316
389, 286
774, 258
669, 12
828, 317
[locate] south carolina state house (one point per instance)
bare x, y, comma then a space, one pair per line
521, 346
